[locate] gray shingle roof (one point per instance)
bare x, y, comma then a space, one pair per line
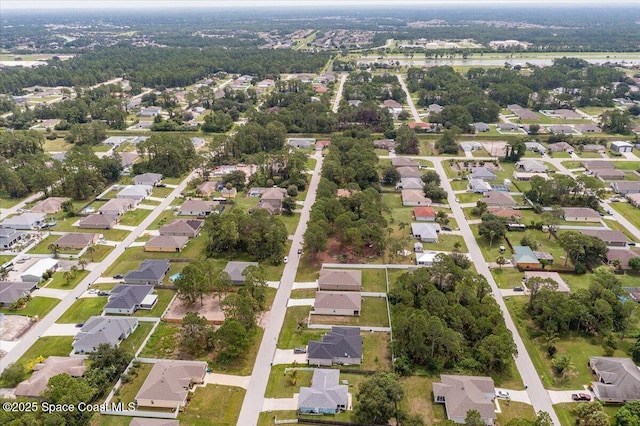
464, 393
170, 380
150, 270
340, 342
235, 270
325, 391
619, 378
10, 291
340, 279
98, 330
127, 296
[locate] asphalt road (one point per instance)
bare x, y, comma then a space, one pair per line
12, 210
412, 107
336, 102
254, 398
38, 330
538, 395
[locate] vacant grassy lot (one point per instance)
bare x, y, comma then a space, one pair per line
128, 391
98, 255
567, 418
164, 298
282, 384
577, 347
303, 293
161, 192
162, 343
48, 346
37, 306
82, 309
468, 197
58, 281
290, 222
515, 410
135, 339
507, 277
269, 418
134, 217
66, 225
374, 314
213, 405
447, 242
632, 214
294, 331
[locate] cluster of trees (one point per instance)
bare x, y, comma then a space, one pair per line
406, 141
284, 169
352, 159
444, 318
105, 366
363, 86
562, 190
170, 155
368, 114
152, 66
254, 137
232, 339
598, 310
259, 234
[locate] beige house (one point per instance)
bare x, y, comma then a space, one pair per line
580, 214
167, 244
340, 279
182, 228
345, 303
206, 188
76, 241
118, 206
414, 197
50, 205
42, 372
460, 394
498, 199
169, 383
98, 221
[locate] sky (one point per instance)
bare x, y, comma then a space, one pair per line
135, 4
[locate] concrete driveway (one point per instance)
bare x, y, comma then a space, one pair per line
61, 330
286, 356
300, 302
516, 395
281, 404
227, 380
565, 396
298, 286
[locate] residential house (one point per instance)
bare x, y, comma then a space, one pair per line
182, 228
634, 199
427, 258
435, 108
50, 205
149, 179
50, 367
255, 192
150, 271
10, 237
522, 113
394, 107
524, 258
498, 199
580, 214
544, 255
425, 232
206, 188
409, 172
229, 192
531, 166
118, 206
169, 383
76, 241
479, 186
618, 379
624, 188
594, 148
587, 128
609, 174
340, 279
506, 213
322, 145
137, 192
166, 244
597, 164
326, 395
481, 127
461, 394
99, 330
197, 208
624, 256
342, 345
126, 299
404, 162
621, 146
197, 142
151, 111
611, 237
236, 271
482, 173
561, 129
424, 214
34, 272
116, 141
11, 291
524, 176
304, 143
536, 147
509, 127
273, 197
414, 197
98, 221
562, 285
470, 146
410, 183
418, 247
343, 303
387, 144
561, 147
25, 221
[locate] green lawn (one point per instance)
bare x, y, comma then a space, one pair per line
303, 293
290, 222
512, 410
66, 225
82, 309
48, 346
56, 145
468, 197
376, 351
213, 405
507, 277
37, 306
567, 418
58, 281
579, 348
161, 192
632, 214
459, 185
173, 180
281, 384
4, 259
628, 165
446, 242
418, 399
99, 254
374, 280
162, 343
373, 313
134, 217
269, 418
294, 332
128, 391
135, 339
43, 246
164, 218
164, 298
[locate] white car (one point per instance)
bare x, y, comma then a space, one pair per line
503, 394
286, 259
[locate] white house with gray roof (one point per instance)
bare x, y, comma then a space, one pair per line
460, 394
125, 299
25, 221
326, 395
151, 179
137, 192
425, 232
151, 271
618, 379
169, 383
99, 330
11, 291
482, 173
236, 270
343, 303
342, 345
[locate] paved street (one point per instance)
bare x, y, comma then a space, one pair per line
412, 107
252, 404
336, 102
41, 327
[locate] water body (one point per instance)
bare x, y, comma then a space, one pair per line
26, 64
479, 62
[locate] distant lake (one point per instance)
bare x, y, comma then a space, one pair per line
630, 60
26, 64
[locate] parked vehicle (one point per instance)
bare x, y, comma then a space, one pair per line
300, 351
581, 397
503, 394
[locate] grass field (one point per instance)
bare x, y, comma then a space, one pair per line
373, 313
135, 339
632, 214
59, 282
134, 217
100, 252
294, 332
567, 418
213, 405
48, 346
164, 298
82, 309
281, 385
127, 392
37, 306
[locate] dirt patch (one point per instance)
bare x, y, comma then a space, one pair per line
495, 148
210, 309
468, 165
339, 253
12, 327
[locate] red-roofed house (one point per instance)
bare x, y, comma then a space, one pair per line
424, 214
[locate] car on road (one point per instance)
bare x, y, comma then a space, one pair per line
118, 276
300, 350
286, 259
503, 394
518, 289
299, 251
80, 325
581, 397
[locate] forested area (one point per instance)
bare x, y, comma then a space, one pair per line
445, 318
153, 66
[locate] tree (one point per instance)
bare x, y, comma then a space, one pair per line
434, 192
583, 249
189, 284
535, 284
54, 249
442, 217
82, 263
378, 398
563, 367
237, 179
628, 415
616, 121
13, 374
231, 340
474, 418
315, 239
431, 176
501, 261
91, 251
515, 149
447, 144
64, 389
634, 264
407, 141
288, 205
241, 307
196, 333
591, 414
390, 175
492, 227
